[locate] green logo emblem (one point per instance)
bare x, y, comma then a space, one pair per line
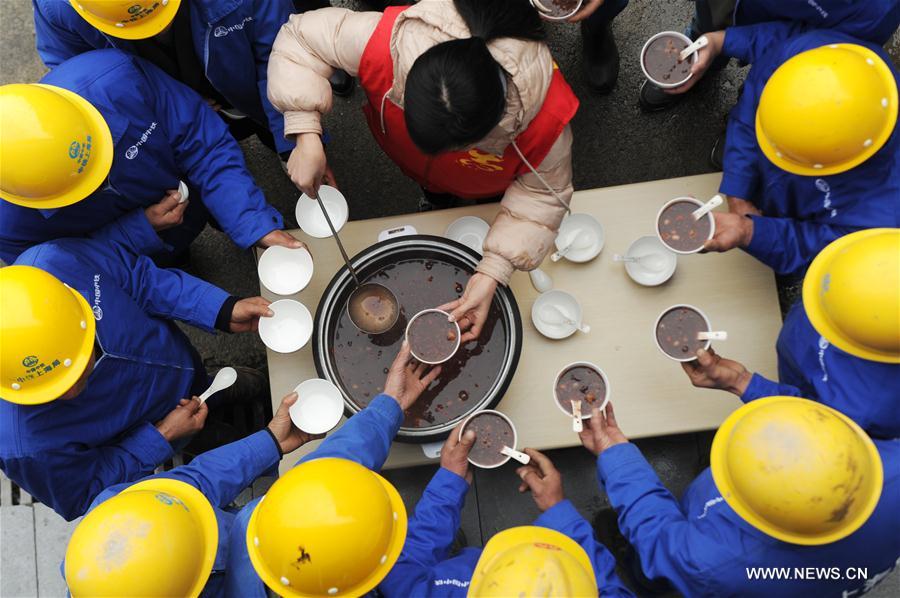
30, 361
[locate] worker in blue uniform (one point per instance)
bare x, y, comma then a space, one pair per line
219, 49
140, 518
839, 346
99, 147
798, 501
331, 526
558, 555
96, 379
869, 20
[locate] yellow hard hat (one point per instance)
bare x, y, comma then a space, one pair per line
797, 470
46, 336
128, 19
533, 561
827, 110
329, 527
851, 294
158, 537
55, 147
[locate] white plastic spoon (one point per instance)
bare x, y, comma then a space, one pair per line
580, 240
577, 426
554, 316
715, 202
514, 454
540, 280
701, 42
224, 378
717, 335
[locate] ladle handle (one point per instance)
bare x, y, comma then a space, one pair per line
337, 239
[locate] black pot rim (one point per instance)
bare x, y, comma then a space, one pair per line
509, 307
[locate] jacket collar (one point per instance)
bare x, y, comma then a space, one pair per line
211, 11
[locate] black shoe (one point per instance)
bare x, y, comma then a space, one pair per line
341, 83
717, 155
653, 99
600, 56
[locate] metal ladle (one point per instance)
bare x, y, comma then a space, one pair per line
372, 307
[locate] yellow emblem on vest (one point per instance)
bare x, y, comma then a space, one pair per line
480, 161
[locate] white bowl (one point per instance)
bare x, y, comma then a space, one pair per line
511, 425
712, 223
693, 58
285, 271
648, 247
586, 364
567, 303
289, 329
470, 231
570, 227
319, 406
309, 214
544, 15
667, 310
455, 327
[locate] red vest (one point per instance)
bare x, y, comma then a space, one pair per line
470, 174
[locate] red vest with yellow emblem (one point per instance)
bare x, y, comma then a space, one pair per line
470, 174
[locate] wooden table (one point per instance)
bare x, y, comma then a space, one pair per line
651, 394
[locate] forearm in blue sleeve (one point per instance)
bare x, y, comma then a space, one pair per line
749, 43
649, 517
366, 437
760, 387
564, 518
132, 230
205, 150
223, 473
56, 41
787, 245
69, 480
430, 533
740, 166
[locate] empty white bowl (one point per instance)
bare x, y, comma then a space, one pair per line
566, 303
289, 329
285, 271
570, 228
470, 231
319, 406
657, 263
309, 214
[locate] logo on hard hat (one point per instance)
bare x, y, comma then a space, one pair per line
135, 8
74, 150
30, 361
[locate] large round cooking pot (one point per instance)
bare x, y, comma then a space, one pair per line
423, 272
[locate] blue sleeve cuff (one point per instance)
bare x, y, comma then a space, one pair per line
453, 486
135, 232
737, 185
761, 387
559, 515
206, 311
737, 43
620, 456
387, 406
266, 453
148, 444
764, 237
248, 234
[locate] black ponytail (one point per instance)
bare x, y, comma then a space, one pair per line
454, 94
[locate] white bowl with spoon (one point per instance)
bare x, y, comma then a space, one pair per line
648, 262
580, 239
557, 314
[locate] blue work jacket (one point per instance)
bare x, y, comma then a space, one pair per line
365, 438
704, 548
65, 453
232, 40
801, 214
425, 567
868, 392
163, 132
221, 475
872, 20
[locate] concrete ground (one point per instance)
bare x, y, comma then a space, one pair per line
614, 144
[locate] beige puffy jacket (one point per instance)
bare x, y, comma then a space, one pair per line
311, 45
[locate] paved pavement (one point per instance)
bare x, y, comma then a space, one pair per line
614, 144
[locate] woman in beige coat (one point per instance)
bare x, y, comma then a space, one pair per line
463, 95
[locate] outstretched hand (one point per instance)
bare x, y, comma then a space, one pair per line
542, 479
289, 436
470, 311
601, 431
711, 371
408, 379
455, 452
